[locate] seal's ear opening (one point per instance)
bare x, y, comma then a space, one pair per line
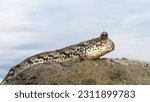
104, 35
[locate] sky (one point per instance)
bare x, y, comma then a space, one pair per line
28, 27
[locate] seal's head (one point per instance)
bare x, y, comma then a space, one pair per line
99, 46
104, 36
107, 42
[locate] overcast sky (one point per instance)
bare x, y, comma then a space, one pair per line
28, 27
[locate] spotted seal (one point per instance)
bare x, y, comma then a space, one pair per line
90, 49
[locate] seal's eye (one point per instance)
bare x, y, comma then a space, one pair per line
104, 35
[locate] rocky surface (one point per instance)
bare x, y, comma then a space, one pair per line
95, 72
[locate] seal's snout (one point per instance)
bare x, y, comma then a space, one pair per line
104, 35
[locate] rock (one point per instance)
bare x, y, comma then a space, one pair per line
89, 72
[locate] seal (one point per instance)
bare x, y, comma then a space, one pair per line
90, 49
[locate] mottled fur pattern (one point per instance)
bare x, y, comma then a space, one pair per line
91, 49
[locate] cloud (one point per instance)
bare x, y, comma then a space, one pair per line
131, 45
137, 2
